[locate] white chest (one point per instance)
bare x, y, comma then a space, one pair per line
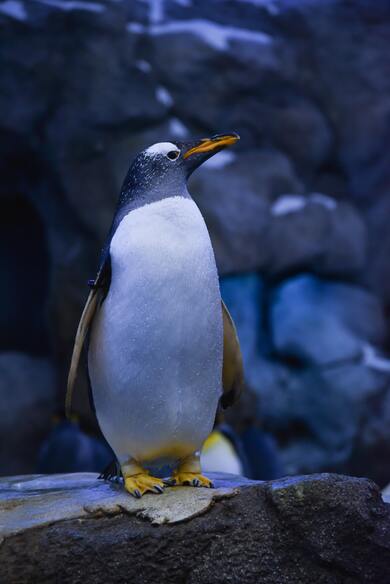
155, 355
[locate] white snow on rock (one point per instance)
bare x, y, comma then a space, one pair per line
220, 160
323, 200
288, 204
270, 5
73, 5
143, 65
292, 203
216, 35
136, 27
156, 10
13, 9
163, 96
373, 360
177, 128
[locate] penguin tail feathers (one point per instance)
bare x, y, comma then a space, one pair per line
112, 472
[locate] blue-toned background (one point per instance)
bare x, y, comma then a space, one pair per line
298, 212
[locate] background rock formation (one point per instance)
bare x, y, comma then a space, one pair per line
298, 213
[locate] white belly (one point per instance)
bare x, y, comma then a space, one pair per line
155, 355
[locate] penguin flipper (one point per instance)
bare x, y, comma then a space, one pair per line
82, 331
99, 289
232, 371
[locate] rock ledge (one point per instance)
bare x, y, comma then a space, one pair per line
316, 528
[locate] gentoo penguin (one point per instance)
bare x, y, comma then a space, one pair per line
163, 349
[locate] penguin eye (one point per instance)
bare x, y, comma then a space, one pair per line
173, 154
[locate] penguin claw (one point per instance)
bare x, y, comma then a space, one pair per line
189, 479
138, 485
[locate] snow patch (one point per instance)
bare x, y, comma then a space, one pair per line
373, 360
143, 66
163, 96
136, 27
292, 203
73, 5
323, 200
270, 5
14, 9
220, 160
288, 204
156, 10
177, 128
216, 35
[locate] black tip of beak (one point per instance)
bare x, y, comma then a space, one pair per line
217, 137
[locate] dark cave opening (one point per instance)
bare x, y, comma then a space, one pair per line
24, 266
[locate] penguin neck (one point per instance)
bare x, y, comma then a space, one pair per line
134, 198
139, 197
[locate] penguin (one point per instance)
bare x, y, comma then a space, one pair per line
163, 351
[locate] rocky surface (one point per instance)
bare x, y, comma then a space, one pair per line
302, 203
319, 528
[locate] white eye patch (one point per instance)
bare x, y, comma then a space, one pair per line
161, 148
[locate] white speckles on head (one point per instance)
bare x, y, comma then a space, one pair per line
161, 148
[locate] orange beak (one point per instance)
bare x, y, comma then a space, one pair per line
216, 143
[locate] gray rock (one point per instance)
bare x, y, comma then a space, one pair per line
27, 387
243, 296
235, 198
315, 233
335, 528
322, 322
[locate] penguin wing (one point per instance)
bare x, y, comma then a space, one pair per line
98, 293
82, 331
232, 371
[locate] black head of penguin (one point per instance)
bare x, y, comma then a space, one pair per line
162, 170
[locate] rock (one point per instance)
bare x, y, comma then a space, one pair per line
315, 233
326, 528
27, 385
321, 322
234, 194
243, 296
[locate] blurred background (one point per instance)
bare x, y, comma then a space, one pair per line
298, 212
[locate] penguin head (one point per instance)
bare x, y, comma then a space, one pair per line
165, 167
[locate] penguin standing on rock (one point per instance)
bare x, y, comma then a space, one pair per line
163, 350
